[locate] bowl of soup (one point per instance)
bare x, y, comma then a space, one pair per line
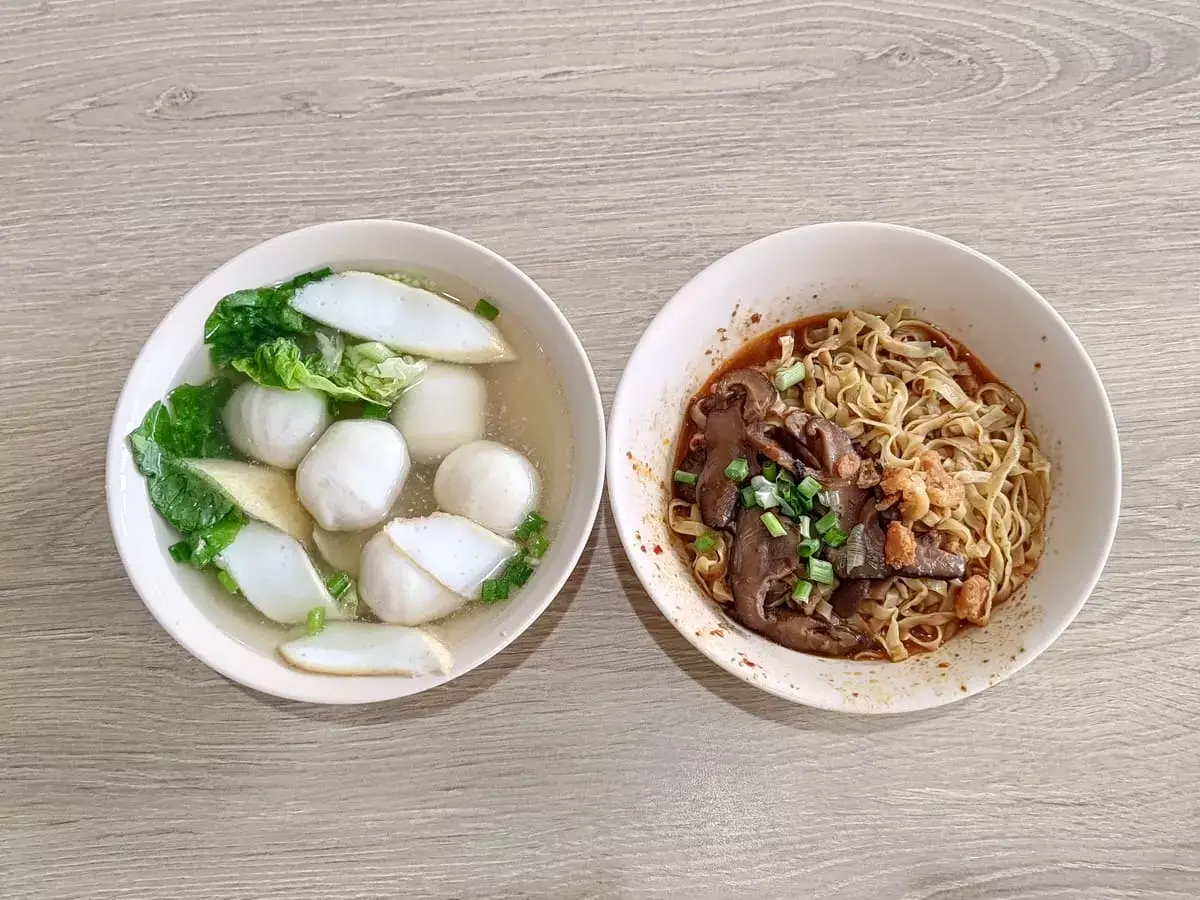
864, 467
355, 461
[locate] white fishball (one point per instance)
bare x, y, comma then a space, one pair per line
398, 590
275, 426
353, 475
444, 410
489, 483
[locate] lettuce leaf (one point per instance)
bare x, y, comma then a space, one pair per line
369, 372
245, 319
188, 425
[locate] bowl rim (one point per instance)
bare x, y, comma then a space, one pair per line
590, 483
625, 527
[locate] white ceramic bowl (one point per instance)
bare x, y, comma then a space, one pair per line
839, 266
228, 636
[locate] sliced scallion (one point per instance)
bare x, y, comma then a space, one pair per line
770, 471
517, 572
682, 477
537, 546
485, 309
809, 487
789, 377
766, 499
337, 584
801, 591
749, 498
227, 581
808, 548
773, 525
532, 525
835, 537
820, 571
738, 470
314, 622
705, 543
804, 526
494, 590
826, 522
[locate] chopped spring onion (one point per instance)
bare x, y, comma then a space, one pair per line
770, 471
227, 581
808, 548
773, 525
314, 623
494, 590
682, 477
375, 411
181, 552
804, 524
765, 494
809, 487
820, 571
705, 543
766, 499
517, 572
785, 478
486, 309
537, 546
801, 591
532, 525
789, 377
749, 498
738, 470
337, 584
835, 537
826, 522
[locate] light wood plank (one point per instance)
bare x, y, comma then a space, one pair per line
611, 149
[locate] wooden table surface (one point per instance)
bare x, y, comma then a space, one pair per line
611, 149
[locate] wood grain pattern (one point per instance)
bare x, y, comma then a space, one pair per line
611, 149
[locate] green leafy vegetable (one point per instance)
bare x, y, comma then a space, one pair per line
370, 372
245, 319
188, 425
487, 310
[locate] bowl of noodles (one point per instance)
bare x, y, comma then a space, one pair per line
864, 467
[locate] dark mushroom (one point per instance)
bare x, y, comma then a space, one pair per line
758, 436
716, 493
753, 386
757, 562
934, 562
758, 569
850, 594
809, 634
826, 443
863, 556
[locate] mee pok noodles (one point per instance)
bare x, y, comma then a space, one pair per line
859, 486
